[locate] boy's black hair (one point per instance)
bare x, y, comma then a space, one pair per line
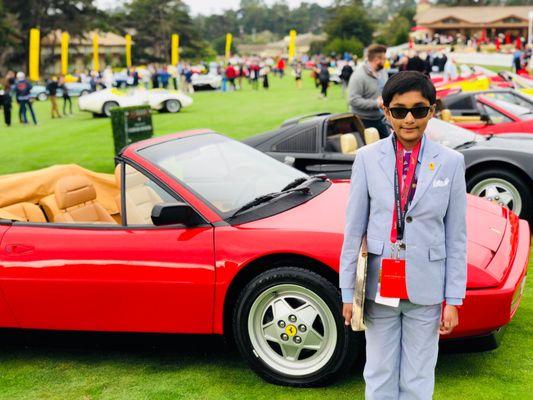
409, 81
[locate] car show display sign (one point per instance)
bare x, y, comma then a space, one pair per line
130, 124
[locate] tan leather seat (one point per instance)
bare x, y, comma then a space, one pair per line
75, 196
28, 212
140, 198
49, 205
446, 115
371, 135
348, 143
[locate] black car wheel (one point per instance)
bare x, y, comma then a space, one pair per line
42, 96
505, 188
84, 92
108, 105
288, 325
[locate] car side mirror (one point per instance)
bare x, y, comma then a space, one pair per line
175, 213
485, 118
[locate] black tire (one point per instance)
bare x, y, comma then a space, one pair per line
84, 93
172, 106
108, 105
524, 189
346, 348
42, 96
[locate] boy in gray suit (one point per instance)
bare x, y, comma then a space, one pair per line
408, 197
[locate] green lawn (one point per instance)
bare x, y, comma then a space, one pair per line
72, 366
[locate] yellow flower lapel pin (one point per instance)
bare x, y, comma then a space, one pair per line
431, 166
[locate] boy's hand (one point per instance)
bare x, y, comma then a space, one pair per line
450, 319
347, 313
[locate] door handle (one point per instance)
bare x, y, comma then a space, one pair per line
19, 249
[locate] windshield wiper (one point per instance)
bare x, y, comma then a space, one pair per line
268, 197
298, 181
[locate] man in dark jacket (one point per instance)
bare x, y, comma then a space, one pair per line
323, 78
52, 91
22, 94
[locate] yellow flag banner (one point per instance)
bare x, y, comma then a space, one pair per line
35, 39
292, 45
64, 53
174, 54
229, 38
96, 59
128, 51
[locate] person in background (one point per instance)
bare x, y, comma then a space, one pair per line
135, 77
364, 90
264, 72
240, 75
154, 76
281, 67
254, 74
517, 60
450, 69
66, 95
164, 77
298, 70
323, 79
52, 87
231, 74
146, 77
22, 94
346, 73
8, 83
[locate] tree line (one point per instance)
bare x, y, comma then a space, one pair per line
349, 25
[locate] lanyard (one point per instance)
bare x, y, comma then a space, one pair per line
402, 188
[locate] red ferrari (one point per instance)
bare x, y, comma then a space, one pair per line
496, 116
210, 236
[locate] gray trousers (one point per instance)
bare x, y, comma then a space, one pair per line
402, 346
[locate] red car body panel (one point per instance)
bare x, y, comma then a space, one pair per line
176, 280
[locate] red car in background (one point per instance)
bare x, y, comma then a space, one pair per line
215, 237
492, 115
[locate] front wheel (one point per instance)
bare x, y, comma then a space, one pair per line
172, 106
42, 96
288, 326
505, 188
108, 105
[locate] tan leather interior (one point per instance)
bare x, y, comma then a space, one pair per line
27, 212
446, 115
49, 205
140, 198
75, 196
348, 143
371, 135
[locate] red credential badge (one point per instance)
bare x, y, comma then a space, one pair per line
392, 282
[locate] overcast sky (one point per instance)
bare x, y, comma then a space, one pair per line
207, 7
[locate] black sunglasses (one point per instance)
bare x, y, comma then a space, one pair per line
416, 112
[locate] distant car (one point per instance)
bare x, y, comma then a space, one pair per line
75, 89
489, 112
498, 167
206, 81
465, 103
101, 102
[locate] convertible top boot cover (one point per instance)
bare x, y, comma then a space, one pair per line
32, 186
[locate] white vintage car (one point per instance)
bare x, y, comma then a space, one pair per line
101, 102
206, 81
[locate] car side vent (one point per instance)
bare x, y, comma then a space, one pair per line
301, 142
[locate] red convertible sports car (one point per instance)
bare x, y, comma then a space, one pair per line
210, 236
493, 115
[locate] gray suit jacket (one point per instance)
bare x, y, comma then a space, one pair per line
435, 229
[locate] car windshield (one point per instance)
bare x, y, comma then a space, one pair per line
514, 109
448, 134
224, 172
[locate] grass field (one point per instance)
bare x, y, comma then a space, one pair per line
74, 366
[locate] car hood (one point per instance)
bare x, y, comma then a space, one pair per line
486, 228
522, 142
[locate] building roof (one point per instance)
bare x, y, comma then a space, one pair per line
474, 15
104, 39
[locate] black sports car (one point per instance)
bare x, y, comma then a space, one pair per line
498, 167
466, 104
